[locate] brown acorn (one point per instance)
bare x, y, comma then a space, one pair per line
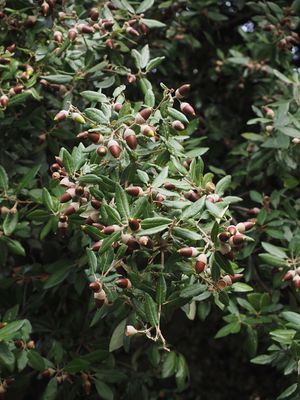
58, 37
73, 207
124, 283
224, 236
192, 195
169, 186
201, 263
130, 138
94, 14
95, 286
132, 31
236, 277
232, 229
134, 191
237, 240
187, 109
65, 197
84, 28
143, 28
146, 241
296, 282
95, 137
147, 130
96, 204
188, 251
182, 91
253, 211
4, 100
289, 275
72, 34
143, 115
108, 230
83, 135
117, 107
61, 115
114, 148
45, 8
134, 224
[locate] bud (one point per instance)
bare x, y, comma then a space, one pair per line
130, 138
209, 187
78, 118
201, 263
289, 275
178, 125
45, 8
182, 91
131, 78
295, 140
72, 34
94, 14
114, 148
117, 107
97, 245
147, 130
188, 251
232, 229
4, 100
269, 112
58, 37
95, 286
143, 115
269, 128
83, 28
134, 224
124, 283
132, 31
135, 191
95, 204
224, 236
102, 151
130, 330
4, 210
73, 207
61, 115
187, 109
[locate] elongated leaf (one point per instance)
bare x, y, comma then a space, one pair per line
194, 209
28, 178
161, 290
94, 96
9, 331
144, 6
117, 337
151, 310
122, 202
3, 178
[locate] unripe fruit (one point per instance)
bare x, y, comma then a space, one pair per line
269, 128
134, 224
61, 115
45, 8
295, 140
130, 330
269, 112
188, 251
95, 204
143, 115
135, 191
237, 240
30, 345
97, 245
147, 130
78, 118
187, 109
58, 37
83, 28
124, 283
95, 286
117, 107
4, 100
102, 151
114, 148
182, 91
130, 138
94, 14
201, 263
4, 210
72, 34
108, 230
73, 207
289, 275
223, 236
146, 241
178, 126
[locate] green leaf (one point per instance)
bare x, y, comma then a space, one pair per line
51, 390
59, 78
96, 115
161, 290
151, 310
223, 263
92, 260
144, 6
122, 202
58, 276
104, 391
94, 96
241, 287
35, 360
28, 178
272, 260
263, 359
169, 365
47, 199
160, 178
10, 223
274, 250
145, 53
154, 63
284, 336
117, 337
155, 222
10, 330
109, 241
68, 161
3, 178
292, 317
233, 327
290, 390
192, 290
187, 234
193, 210
222, 185
14, 246
177, 115
152, 23
153, 231
77, 365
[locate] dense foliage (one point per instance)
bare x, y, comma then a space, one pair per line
149, 199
